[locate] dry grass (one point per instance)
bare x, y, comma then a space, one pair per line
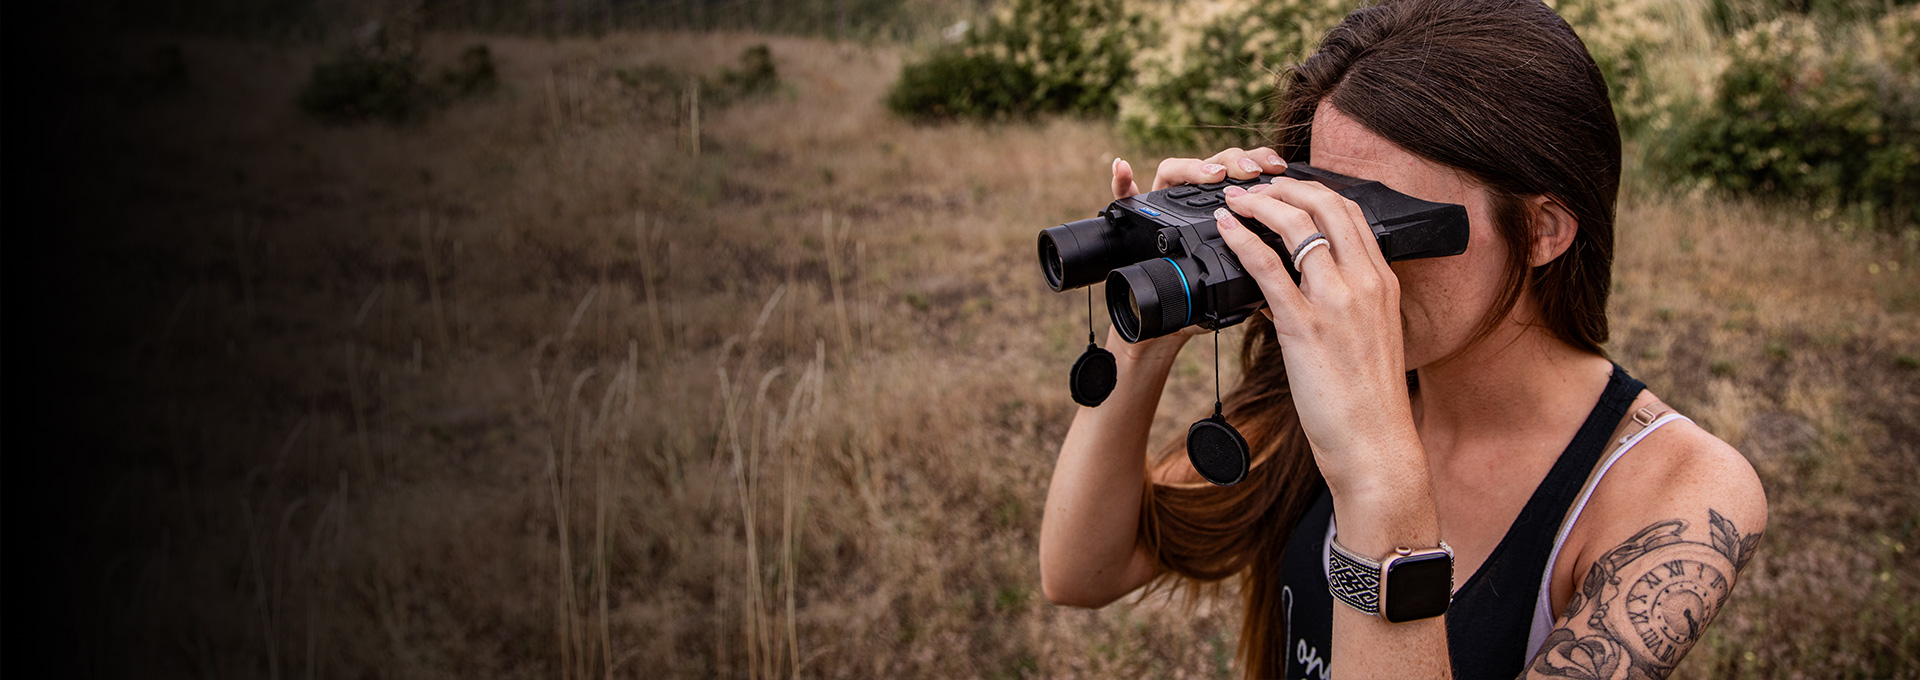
531, 389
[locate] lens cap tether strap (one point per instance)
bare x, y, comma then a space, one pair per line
1217, 451
1095, 372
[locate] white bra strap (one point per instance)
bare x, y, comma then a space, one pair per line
1543, 604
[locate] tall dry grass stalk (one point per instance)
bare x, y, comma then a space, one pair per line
769, 629
433, 281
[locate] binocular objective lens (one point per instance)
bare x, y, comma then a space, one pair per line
1133, 305
1149, 299
1050, 259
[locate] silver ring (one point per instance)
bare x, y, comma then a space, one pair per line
1315, 241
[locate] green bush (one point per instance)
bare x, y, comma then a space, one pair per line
364, 83
1032, 57
1219, 87
1793, 116
756, 76
474, 74
954, 84
1622, 36
385, 81
1730, 17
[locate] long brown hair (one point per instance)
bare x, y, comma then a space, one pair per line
1500, 89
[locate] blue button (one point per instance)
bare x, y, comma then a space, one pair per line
1150, 212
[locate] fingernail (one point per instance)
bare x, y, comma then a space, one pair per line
1234, 191
1117, 162
1225, 218
1248, 165
1212, 168
1276, 162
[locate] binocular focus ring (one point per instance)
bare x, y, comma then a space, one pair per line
1176, 308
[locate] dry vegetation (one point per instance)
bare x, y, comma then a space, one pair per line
530, 389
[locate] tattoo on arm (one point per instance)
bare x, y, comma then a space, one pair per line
1646, 602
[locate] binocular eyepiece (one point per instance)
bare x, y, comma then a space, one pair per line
1167, 268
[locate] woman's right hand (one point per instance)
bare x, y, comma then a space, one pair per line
1235, 163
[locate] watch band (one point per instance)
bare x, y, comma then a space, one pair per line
1355, 579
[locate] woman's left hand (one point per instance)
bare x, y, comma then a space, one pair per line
1339, 331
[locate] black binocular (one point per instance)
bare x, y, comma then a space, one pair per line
1167, 268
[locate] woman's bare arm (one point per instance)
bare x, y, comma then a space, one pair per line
1090, 549
1675, 524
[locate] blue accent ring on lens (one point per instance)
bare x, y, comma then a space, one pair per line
1184, 289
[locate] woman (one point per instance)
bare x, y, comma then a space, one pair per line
1463, 402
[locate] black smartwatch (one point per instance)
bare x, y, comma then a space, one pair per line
1408, 585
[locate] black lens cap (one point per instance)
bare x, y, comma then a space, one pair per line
1094, 374
1217, 451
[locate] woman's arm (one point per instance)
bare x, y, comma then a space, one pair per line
1676, 522
1090, 549
1090, 552
1340, 327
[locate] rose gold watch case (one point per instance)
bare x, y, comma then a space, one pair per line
1398, 610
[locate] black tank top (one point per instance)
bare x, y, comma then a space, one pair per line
1490, 617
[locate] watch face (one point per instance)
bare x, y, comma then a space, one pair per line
1417, 587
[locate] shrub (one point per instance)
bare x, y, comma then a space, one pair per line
1622, 35
1793, 117
1729, 17
1033, 56
954, 84
474, 74
362, 83
755, 76
651, 81
383, 80
1216, 84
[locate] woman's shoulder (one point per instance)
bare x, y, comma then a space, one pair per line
1664, 539
1679, 479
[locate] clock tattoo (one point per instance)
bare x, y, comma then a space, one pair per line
1669, 606
1646, 602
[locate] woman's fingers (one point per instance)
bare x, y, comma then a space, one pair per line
1176, 171
1339, 218
1292, 224
1263, 264
1249, 163
1268, 159
1354, 269
1123, 184
1234, 163
1238, 165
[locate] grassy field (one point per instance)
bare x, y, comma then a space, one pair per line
548, 386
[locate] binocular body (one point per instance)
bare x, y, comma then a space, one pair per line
1167, 268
